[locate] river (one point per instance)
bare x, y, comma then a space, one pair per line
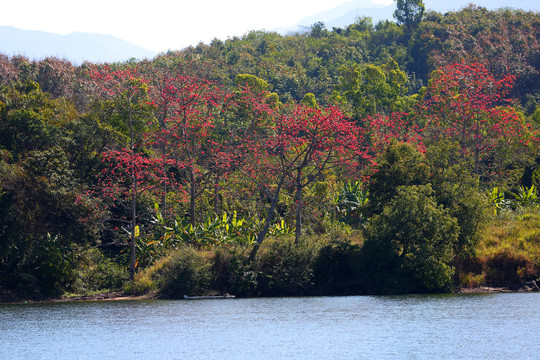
456, 326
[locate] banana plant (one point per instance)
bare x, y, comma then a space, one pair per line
526, 197
496, 198
350, 201
219, 230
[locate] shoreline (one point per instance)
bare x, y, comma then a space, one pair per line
120, 296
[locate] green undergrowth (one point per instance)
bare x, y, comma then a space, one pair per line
508, 253
316, 265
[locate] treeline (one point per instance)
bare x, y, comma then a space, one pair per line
357, 160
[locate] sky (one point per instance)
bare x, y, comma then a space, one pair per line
160, 25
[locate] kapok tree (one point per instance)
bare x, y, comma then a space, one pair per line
380, 130
126, 96
466, 103
301, 145
175, 92
187, 108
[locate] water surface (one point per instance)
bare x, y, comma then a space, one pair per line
464, 326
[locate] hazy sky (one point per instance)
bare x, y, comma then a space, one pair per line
161, 24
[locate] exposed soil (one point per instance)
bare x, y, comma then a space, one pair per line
483, 289
107, 296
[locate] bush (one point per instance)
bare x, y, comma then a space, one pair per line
510, 248
97, 272
336, 269
141, 285
285, 267
231, 274
41, 266
184, 272
409, 246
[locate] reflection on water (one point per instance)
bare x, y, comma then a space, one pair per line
474, 326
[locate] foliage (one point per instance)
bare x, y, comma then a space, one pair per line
372, 89
526, 197
409, 246
231, 273
400, 164
285, 267
466, 103
409, 12
86, 151
337, 268
96, 272
505, 40
350, 202
214, 231
455, 188
184, 272
508, 251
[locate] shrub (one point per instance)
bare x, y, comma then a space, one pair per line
409, 246
336, 268
231, 274
285, 267
507, 268
471, 280
43, 267
184, 272
97, 272
141, 284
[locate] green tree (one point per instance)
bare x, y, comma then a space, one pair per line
409, 246
38, 189
372, 89
455, 187
400, 164
252, 81
409, 13
310, 101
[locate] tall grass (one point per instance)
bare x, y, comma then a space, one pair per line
508, 252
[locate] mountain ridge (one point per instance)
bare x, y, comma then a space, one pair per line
347, 13
77, 47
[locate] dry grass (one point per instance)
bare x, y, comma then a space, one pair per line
508, 251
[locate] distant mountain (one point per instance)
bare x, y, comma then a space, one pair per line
347, 13
77, 47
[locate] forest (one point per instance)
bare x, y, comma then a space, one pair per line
396, 157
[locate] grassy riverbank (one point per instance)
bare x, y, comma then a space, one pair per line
508, 252
507, 257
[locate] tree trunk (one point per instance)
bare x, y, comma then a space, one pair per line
192, 197
298, 230
477, 148
133, 227
133, 201
163, 147
269, 217
216, 195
